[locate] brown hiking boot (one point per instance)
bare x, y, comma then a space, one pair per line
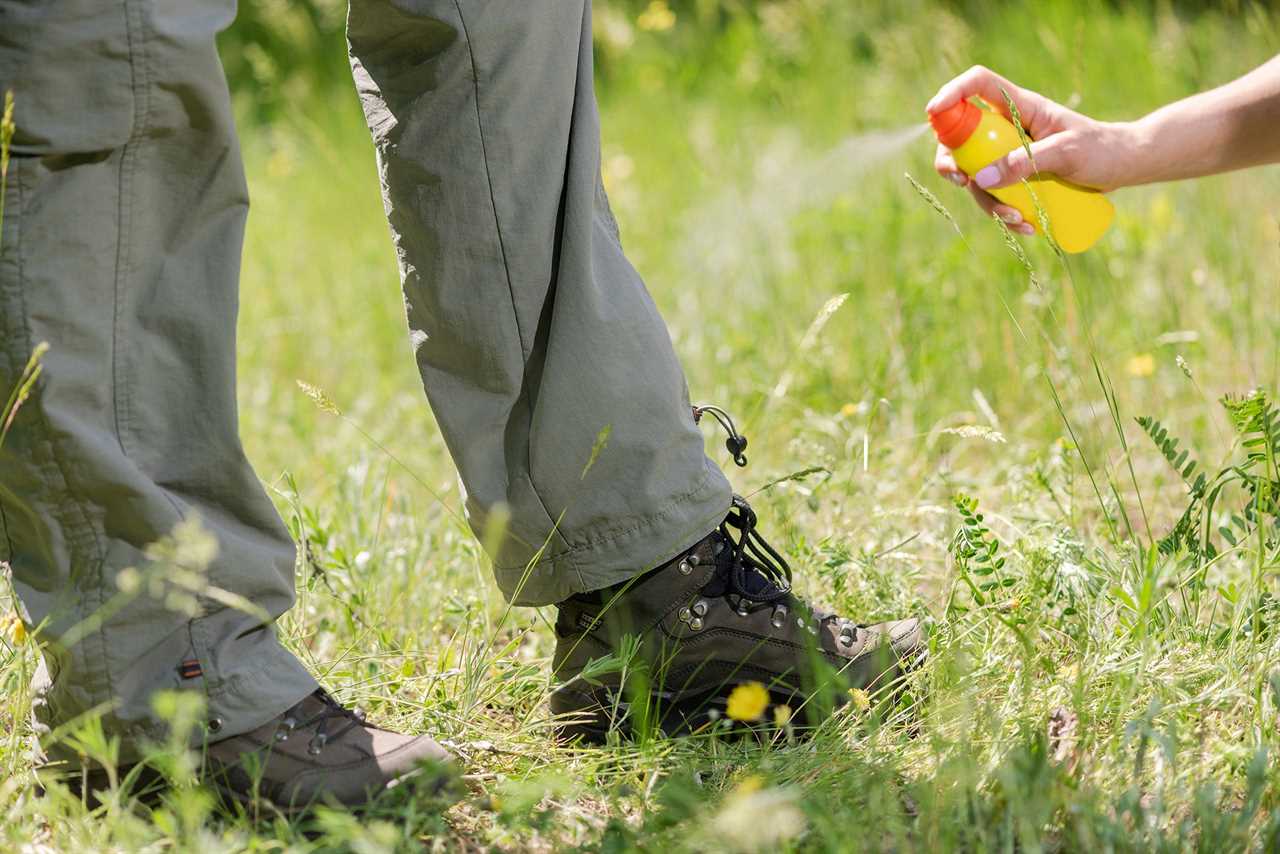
316, 752
718, 615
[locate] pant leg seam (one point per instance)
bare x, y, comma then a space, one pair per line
525, 349
83, 538
120, 392
140, 84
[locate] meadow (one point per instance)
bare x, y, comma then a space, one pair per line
944, 421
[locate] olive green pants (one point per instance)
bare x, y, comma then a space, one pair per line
120, 248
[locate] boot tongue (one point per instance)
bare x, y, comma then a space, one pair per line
754, 584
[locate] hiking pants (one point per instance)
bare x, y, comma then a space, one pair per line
120, 248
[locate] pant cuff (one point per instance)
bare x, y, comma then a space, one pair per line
611, 557
253, 696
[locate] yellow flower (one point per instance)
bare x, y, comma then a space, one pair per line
16, 630
848, 409
657, 18
861, 699
1141, 365
749, 785
748, 701
782, 715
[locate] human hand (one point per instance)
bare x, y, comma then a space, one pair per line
1066, 143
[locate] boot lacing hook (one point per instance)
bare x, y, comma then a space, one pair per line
736, 443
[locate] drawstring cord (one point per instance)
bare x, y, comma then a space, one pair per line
736, 443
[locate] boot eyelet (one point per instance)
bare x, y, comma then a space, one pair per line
317, 744
700, 607
685, 615
743, 611
685, 567
214, 725
696, 624
779, 616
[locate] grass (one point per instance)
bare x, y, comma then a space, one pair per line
1104, 694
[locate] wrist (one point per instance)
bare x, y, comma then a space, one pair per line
1134, 155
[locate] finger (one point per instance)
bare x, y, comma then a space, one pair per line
945, 165
1039, 115
1047, 155
1009, 215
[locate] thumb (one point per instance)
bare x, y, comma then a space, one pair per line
1047, 155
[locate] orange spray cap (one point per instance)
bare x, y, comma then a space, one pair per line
955, 124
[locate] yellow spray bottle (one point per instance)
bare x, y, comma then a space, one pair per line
978, 136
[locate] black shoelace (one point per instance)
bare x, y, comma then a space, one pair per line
755, 570
331, 710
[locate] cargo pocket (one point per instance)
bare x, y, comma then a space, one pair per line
69, 66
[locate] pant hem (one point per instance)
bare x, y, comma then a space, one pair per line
251, 698
613, 557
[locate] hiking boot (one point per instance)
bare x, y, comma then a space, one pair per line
316, 752
719, 615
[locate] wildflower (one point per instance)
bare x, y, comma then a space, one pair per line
757, 818
848, 409
748, 701
1184, 367
16, 630
861, 699
782, 715
1141, 365
657, 18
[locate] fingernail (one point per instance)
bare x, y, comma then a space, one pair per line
1011, 217
928, 108
958, 178
1026, 229
987, 176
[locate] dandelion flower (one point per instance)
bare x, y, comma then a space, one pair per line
748, 701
